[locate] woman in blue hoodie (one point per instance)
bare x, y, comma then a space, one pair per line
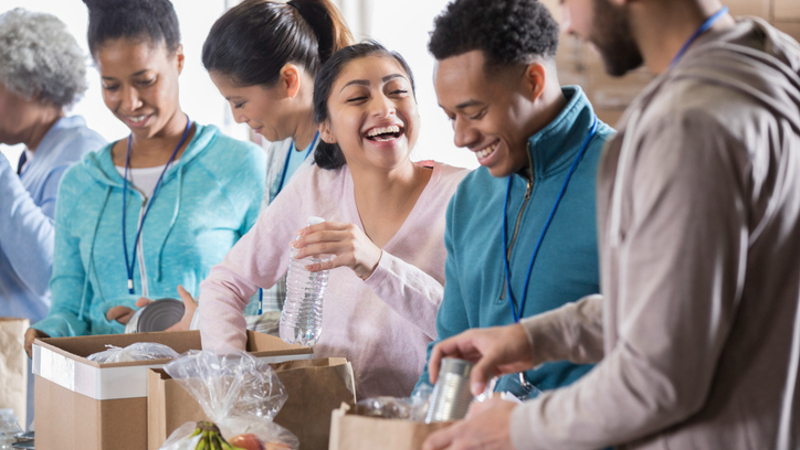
157, 209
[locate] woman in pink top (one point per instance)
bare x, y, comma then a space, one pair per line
385, 218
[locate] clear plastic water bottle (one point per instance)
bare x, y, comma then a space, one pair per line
301, 318
8, 428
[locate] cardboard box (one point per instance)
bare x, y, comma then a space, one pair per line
786, 10
84, 405
315, 388
760, 8
790, 28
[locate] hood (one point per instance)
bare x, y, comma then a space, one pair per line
100, 165
752, 58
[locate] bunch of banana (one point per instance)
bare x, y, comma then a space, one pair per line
211, 438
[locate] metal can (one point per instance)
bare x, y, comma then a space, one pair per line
156, 316
451, 396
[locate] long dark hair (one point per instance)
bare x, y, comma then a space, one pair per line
330, 156
252, 41
154, 20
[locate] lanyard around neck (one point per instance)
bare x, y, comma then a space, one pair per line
289, 156
699, 31
518, 315
130, 262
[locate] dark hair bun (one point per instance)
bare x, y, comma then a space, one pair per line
113, 19
107, 5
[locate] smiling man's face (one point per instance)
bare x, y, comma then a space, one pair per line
490, 113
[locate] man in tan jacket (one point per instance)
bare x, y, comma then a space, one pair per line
697, 331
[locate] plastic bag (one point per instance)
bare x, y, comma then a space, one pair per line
413, 408
237, 392
140, 351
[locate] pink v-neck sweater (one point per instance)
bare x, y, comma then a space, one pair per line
382, 325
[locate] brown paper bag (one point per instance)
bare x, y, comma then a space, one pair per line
14, 367
315, 388
350, 431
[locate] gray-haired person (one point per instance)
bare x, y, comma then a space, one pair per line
42, 73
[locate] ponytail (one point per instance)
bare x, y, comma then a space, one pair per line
328, 25
252, 42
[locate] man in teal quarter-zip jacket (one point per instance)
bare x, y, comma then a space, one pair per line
538, 145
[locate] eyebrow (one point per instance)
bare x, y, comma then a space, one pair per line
468, 103
141, 72
366, 82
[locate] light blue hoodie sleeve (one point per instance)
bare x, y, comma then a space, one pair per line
68, 284
27, 231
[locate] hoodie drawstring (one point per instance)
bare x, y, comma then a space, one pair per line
91, 268
171, 225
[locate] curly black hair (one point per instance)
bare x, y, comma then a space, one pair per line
509, 32
154, 20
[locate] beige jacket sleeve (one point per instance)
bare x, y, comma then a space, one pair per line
671, 290
573, 332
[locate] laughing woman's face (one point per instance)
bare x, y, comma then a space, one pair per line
373, 114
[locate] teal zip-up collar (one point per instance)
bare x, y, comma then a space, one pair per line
555, 146
550, 152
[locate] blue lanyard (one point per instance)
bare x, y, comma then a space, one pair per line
518, 316
128, 263
289, 156
702, 29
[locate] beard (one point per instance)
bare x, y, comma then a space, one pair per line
612, 35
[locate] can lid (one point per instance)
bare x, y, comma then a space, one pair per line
314, 220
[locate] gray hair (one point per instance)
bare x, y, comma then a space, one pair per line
40, 59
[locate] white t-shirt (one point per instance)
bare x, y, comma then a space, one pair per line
143, 180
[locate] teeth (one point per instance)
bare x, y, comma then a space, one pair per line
487, 151
376, 131
137, 118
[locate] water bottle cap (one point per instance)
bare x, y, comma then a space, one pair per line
314, 220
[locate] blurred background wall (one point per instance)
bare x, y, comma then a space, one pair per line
401, 25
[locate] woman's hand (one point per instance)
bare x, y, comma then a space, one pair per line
122, 314
189, 305
349, 245
31, 335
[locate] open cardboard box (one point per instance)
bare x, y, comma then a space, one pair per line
314, 387
84, 405
351, 431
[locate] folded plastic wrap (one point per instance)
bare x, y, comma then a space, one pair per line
140, 351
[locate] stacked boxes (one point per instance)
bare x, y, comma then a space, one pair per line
85, 405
